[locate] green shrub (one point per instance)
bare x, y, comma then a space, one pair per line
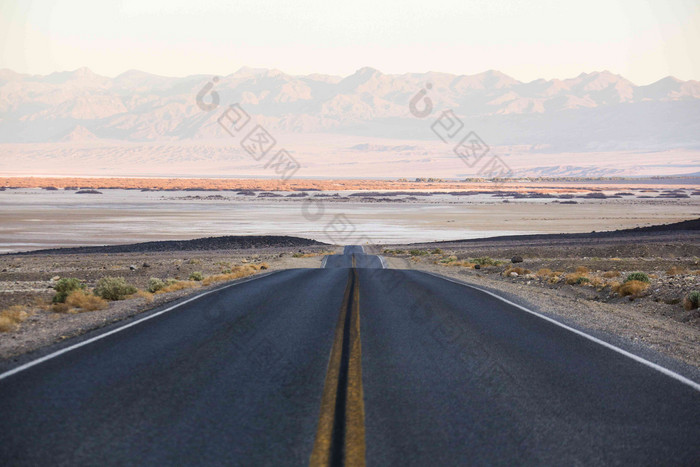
582, 280
155, 284
417, 252
637, 276
114, 288
196, 276
436, 251
64, 287
692, 301
485, 261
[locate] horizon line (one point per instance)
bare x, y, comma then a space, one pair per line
260, 70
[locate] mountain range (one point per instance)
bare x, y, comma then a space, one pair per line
358, 125
604, 110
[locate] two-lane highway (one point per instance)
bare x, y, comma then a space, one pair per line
353, 257
348, 364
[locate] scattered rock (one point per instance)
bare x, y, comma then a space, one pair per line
88, 192
477, 266
55, 278
516, 259
132, 267
145, 265
513, 274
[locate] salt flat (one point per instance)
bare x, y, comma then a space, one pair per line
34, 218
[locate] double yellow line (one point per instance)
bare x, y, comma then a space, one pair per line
340, 436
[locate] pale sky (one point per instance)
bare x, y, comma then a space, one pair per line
643, 40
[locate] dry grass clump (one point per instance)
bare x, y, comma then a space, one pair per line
12, 317
236, 273
582, 270
174, 286
518, 270
630, 288
577, 279
611, 274
80, 301
453, 261
148, 296
545, 273
319, 253
675, 270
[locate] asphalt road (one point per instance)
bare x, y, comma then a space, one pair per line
339, 365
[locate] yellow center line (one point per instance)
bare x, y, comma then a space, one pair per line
340, 436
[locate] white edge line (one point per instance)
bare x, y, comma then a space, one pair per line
383, 261
323, 263
637, 358
114, 331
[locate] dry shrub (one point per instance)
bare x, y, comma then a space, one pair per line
41, 303
597, 282
611, 274
545, 273
582, 270
633, 288
675, 270
83, 301
12, 317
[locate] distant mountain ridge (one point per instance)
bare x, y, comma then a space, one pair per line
593, 111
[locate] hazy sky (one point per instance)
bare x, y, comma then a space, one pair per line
643, 40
